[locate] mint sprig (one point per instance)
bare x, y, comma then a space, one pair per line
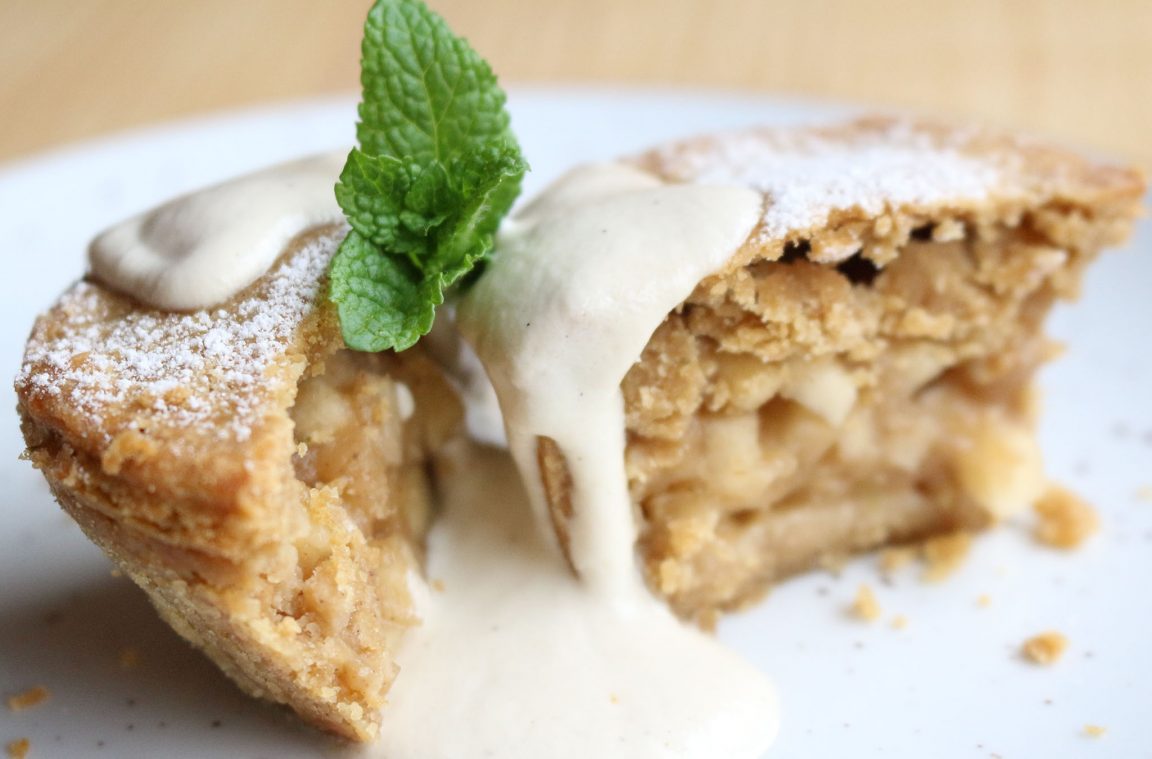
437, 169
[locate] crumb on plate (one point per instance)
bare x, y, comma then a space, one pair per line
28, 699
129, 657
1045, 648
865, 606
944, 554
984, 601
1095, 731
899, 622
18, 749
1065, 519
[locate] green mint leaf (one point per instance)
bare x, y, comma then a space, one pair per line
488, 183
427, 94
383, 302
368, 191
395, 204
430, 201
437, 169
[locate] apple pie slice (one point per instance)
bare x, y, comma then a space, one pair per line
861, 372
265, 486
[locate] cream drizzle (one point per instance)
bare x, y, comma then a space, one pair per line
201, 249
581, 279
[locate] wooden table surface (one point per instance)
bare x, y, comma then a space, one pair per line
1080, 70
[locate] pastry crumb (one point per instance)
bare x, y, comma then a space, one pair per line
944, 554
614, 698
1144, 493
18, 749
865, 606
899, 622
1065, 519
1045, 648
1095, 731
129, 657
438, 585
984, 601
28, 699
892, 559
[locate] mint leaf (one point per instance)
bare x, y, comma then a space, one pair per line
427, 94
395, 204
368, 191
437, 169
487, 182
383, 302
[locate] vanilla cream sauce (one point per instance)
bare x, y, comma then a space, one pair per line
199, 250
581, 279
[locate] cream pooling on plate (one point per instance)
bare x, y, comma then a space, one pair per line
559, 665
515, 657
522, 656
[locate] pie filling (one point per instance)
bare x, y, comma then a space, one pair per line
791, 412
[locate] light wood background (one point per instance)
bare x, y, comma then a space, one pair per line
1080, 70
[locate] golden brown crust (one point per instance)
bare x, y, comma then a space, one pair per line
1018, 174
180, 404
264, 486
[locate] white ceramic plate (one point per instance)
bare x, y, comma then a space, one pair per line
951, 684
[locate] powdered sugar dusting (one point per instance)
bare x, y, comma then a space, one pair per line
165, 364
805, 175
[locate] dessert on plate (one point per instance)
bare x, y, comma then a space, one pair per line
716, 363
